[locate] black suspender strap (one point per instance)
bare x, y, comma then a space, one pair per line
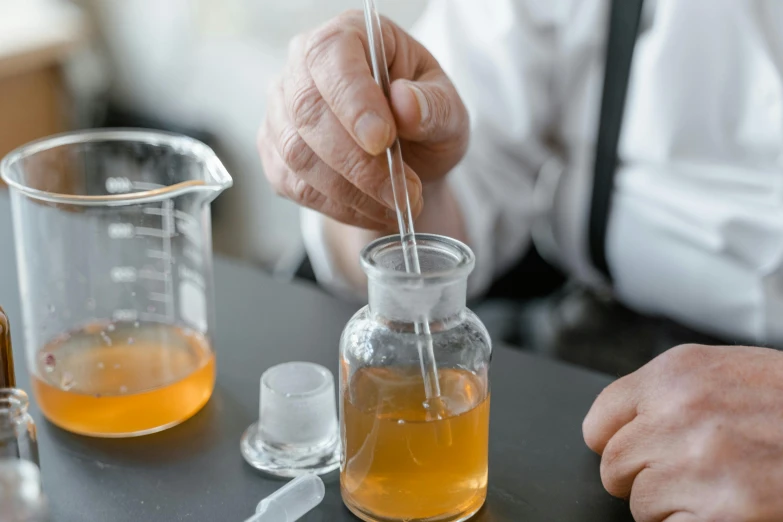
623, 31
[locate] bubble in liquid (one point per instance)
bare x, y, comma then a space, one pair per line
400, 421
136, 324
66, 381
49, 362
133, 294
123, 389
116, 366
100, 366
131, 340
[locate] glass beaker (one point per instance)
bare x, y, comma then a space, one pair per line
113, 242
406, 456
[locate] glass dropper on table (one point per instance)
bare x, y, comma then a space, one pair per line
292, 501
402, 203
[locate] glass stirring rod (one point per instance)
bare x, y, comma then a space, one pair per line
403, 206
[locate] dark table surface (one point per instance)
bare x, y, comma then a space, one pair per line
540, 469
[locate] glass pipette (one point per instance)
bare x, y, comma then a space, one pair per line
429, 368
292, 501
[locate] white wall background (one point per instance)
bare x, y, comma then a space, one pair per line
207, 63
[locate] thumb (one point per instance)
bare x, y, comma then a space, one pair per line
428, 110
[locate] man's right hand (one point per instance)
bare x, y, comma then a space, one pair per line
328, 123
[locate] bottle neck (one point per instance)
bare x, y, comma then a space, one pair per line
411, 303
435, 293
13, 405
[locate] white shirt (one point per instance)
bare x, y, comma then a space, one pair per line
696, 227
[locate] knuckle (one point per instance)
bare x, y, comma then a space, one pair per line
303, 193
686, 401
707, 447
360, 169
295, 151
322, 41
686, 353
356, 199
610, 461
306, 105
341, 91
693, 397
352, 19
353, 16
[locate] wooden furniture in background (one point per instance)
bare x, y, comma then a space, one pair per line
35, 36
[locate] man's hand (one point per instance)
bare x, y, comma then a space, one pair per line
328, 123
695, 436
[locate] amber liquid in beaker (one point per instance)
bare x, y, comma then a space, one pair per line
117, 380
402, 465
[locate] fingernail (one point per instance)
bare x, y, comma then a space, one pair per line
373, 132
424, 108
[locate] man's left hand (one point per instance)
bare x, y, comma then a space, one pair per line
696, 435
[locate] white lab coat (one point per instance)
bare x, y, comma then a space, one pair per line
696, 228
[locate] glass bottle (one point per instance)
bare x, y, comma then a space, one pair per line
21, 498
18, 438
407, 457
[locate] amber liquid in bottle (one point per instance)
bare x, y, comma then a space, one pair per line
398, 464
125, 379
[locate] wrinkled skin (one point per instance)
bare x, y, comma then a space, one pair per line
328, 123
695, 435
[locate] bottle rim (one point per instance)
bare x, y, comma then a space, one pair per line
460, 256
13, 402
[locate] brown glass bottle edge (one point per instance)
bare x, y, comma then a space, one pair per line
7, 375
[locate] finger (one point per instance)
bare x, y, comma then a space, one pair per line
660, 493
287, 185
614, 408
431, 121
336, 56
626, 454
305, 163
322, 131
429, 109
